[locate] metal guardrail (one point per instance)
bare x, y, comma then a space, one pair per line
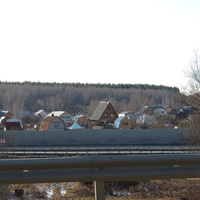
101, 150
99, 168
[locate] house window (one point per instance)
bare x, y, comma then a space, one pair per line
105, 115
56, 124
112, 115
125, 123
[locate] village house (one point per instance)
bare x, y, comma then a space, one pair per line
8, 122
13, 123
65, 116
167, 108
157, 111
5, 114
123, 122
81, 120
104, 114
185, 112
41, 113
52, 123
173, 113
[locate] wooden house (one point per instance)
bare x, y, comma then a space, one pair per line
104, 113
123, 122
52, 123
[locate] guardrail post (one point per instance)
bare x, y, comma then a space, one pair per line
99, 187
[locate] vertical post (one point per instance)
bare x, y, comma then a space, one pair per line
99, 187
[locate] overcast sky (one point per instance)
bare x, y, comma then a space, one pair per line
104, 41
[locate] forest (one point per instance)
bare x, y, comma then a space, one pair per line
77, 98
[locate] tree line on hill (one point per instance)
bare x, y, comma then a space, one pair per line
82, 98
97, 85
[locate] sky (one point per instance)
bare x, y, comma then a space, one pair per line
98, 41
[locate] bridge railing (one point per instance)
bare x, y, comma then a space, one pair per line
99, 169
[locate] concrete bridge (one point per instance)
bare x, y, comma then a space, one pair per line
97, 168
92, 137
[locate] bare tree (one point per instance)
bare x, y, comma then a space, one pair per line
191, 97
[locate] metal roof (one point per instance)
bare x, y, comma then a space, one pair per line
99, 110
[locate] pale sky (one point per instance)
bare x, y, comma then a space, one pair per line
104, 41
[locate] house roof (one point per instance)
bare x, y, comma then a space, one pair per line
75, 126
142, 109
100, 110
75, 118
125, 112
120, 118
58, 113
45, 123
5, 113
39, 111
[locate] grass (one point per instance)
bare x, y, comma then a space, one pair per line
151, 190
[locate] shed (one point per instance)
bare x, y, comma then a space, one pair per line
13, 124
123, 122
52, 123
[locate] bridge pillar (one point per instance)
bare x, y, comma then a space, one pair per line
99, 187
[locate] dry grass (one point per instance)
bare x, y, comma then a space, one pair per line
151, 190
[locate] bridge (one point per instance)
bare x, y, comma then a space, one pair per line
147, 155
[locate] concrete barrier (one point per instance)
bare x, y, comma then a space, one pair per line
92, 137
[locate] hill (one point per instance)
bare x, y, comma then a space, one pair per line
80, 97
